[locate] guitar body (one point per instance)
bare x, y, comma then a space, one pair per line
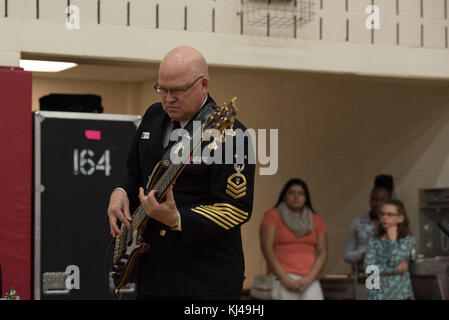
130, 246
129, 265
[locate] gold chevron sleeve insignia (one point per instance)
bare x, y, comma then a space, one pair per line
208, 216
236, 186
223, 214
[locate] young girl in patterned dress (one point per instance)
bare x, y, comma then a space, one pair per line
390, 251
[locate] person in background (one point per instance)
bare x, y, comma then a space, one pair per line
362, 228
390, 251
294, 243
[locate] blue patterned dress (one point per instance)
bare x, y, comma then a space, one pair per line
387, 255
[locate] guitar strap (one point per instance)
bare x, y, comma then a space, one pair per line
201, 116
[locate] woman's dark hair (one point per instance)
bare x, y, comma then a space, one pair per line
301, 183
403, 227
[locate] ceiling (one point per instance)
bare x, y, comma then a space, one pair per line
102, 73
98, 69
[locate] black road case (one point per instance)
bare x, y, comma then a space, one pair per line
78, 160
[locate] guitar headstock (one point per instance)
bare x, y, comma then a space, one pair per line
223, 117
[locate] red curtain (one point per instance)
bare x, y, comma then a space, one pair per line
15, 180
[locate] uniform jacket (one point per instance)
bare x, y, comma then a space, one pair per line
206, 257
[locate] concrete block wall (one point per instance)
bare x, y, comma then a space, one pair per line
337, 132
145, 30
223, 16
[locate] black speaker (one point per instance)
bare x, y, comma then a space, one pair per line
71, 103
78, 161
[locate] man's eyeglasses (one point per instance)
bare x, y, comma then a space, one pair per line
388, 214
175, 93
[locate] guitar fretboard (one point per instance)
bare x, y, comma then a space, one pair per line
161, 186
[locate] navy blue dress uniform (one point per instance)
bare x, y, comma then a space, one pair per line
205, 258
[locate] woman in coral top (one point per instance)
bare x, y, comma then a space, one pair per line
294, 243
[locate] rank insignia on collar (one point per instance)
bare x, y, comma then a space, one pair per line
236, 186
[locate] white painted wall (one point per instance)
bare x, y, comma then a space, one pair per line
20, 31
